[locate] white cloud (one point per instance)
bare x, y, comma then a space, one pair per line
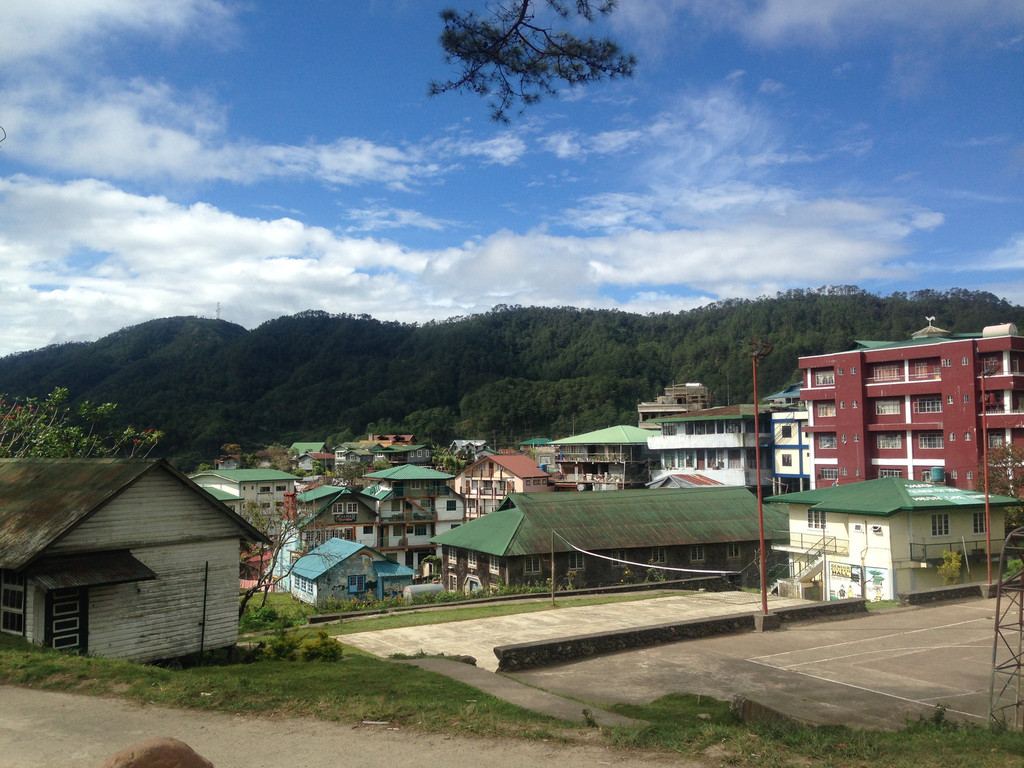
59, 29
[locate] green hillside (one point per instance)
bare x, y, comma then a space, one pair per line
506, 375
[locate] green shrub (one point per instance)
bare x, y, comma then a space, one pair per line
950, 568
323, 647
284, 646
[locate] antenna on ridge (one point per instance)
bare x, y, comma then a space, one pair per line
218, 310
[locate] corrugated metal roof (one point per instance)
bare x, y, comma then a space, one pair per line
614, 519
516, 464
409, 472
718, 413
90, 570
42, 499
330, 553
887, 496
620, 435
391, 570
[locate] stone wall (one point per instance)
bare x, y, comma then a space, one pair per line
940, 594
542, 653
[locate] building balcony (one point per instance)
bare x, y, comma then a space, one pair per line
408, 516
593, 457
804, 542
930, 552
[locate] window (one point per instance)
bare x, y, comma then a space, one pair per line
658, 556
887, 407
352, 507
842, 405
618, 555
453, 556
733, 551
697, 553
995, 439
816, 519
929, 440
264, 489
280, 488
826, 409
494, 565
575, 561
967, 437
940, 524
827, 440
421, 530
855, 404
824, 378
853, 370
890, 473
963, 361
471, 558
356, 584
830, 473
970, 474
952, 437
367, 530
453, 582
928, 405
979, 522
886, 440
840, 371
450, 505
886, 372
787, 460
532, 563
12, 602
947, 362
786, 431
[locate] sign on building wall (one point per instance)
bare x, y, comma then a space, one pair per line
853, 580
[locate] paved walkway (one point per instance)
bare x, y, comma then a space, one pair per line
479, 637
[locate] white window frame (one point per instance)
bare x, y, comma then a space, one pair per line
12, 602
576, 561
471, 559
697, 553
825, 409
531, 564
816, 520
824, 378
888, 407
659, 556
928, 404
890, 473
979, 522
827, 441
885, 441
930, 441
940, 524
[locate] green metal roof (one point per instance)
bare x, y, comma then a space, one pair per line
620, 435
320, 492
868, 344
888, 496
378, 449
597, 520
299, 448
409, 472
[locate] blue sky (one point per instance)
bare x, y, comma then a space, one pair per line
259, 159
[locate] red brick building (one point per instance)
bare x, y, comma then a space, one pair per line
904, 408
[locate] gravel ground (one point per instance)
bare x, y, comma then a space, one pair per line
41, 729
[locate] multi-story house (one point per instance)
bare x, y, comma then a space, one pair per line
678, 399
265, 490
718, 444
880, 537
609, 459
485, 483
791, 451
413, 505
914, 408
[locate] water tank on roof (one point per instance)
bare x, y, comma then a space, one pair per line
1006, 329
938, 475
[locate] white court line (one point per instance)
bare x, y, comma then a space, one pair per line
803, 651
866, 689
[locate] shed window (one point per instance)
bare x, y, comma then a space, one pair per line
12, 602
532, 563
575, 561
356, 583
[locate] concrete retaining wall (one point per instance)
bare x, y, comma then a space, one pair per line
542, 653
941, 594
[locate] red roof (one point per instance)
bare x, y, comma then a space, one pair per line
518, 465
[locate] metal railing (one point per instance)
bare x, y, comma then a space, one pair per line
926, 552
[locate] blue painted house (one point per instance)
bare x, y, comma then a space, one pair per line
346, 570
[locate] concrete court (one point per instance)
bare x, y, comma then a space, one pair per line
872, 671
479, 637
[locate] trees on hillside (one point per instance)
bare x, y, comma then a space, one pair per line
50, 428
511, 57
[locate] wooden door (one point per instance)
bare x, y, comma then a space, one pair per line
67, 619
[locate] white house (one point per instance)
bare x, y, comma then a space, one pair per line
123, 558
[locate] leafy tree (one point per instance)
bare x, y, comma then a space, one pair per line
49, 428
264, 564
1006, 478
511, 57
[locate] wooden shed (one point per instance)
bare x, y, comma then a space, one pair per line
123, 558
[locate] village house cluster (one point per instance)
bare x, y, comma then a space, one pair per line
870, 472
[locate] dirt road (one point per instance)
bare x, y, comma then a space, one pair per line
56, 730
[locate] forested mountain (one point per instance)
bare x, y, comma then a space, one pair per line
509, 374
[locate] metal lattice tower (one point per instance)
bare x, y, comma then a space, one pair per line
1006, 691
